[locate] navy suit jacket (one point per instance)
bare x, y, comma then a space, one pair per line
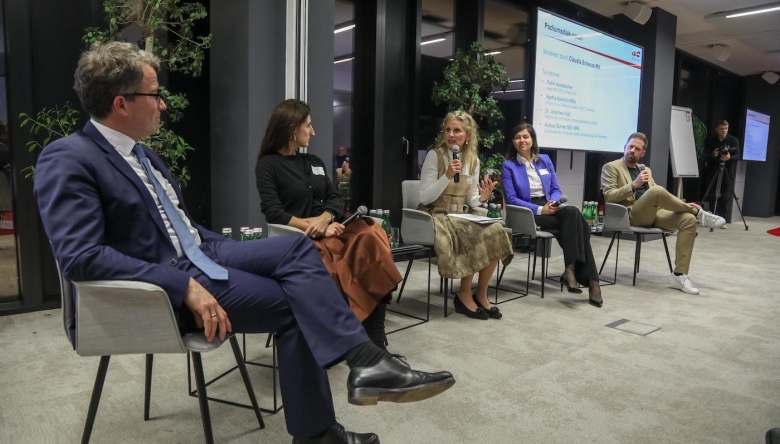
514, 181
101, 219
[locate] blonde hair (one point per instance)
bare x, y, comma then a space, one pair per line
468, 153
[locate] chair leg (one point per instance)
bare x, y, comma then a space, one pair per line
668, 259
245, 376
148, 386
637, 249
406, 275
200, 383
544, 262
446, 296
93, 403
609, 249
533, 269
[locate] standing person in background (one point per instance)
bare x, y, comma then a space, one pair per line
340, 157
295, 191
463, 247
721, 147
529, 181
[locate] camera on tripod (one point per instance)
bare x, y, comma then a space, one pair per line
722, 151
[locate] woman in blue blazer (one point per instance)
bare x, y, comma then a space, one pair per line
529, 181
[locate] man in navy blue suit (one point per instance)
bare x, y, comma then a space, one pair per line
112, 210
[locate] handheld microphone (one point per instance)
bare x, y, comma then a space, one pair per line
641, 167
456, 156
360, 212
560, 201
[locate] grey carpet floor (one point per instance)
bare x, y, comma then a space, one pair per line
550, 371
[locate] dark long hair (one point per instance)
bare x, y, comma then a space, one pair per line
511, 152
287, 116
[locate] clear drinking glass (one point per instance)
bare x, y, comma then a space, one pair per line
395, 237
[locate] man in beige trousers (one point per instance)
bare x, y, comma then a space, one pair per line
629, 183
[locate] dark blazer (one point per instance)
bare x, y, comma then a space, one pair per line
101, 219
514, 180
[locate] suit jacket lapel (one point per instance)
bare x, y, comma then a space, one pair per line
624, 171
121, 164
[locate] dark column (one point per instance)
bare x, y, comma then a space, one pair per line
761, 178
384, 61
469, 22
247, 82
657, 36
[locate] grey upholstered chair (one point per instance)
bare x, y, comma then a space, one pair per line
417, 226
616, 219
125, 317
521, 221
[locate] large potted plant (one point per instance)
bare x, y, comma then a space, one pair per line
165, 28
467, 85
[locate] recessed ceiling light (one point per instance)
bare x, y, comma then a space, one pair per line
433, 41
508, 91
344, 60
494, 53
518, 80
345, 28
755, 11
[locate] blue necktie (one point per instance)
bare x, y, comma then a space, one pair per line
187, 241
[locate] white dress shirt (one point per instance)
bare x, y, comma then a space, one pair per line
431, 185
534, 180
125, 145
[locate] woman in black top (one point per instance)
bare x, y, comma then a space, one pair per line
295, 191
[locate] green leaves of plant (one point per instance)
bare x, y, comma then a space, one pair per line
467, 84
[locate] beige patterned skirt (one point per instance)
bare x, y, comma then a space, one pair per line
464, 247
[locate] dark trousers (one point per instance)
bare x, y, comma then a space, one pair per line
281, 285
573, 235
726, 197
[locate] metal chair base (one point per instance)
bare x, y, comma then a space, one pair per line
241, 362
637, 255
414, 250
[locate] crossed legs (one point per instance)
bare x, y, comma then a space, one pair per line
660, 208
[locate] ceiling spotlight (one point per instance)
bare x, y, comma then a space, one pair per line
770, 77
493, 53
343, 60
758, 10
720, 52
637, 12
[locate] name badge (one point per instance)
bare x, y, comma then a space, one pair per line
543, 171
318, 171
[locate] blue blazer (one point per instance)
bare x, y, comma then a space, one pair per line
101, 219
514, 180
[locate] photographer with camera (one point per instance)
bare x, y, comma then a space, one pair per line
723, 149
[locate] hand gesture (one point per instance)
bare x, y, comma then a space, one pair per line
453, 168
548, 209
486, 187
642, 179
334, 229
345, 167
694, 205
208, 314
317, 225
725, 155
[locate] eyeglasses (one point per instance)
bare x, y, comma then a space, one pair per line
157, 95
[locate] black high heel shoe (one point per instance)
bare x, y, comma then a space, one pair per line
479, 313
566, 279
595, 291
494, 312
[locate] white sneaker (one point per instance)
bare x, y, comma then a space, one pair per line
710, 220
682, 283
724, 227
